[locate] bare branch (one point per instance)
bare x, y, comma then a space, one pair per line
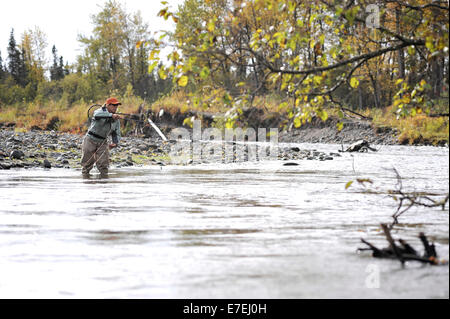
358, 58
409, 200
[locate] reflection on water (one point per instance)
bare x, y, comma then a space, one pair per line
249, 230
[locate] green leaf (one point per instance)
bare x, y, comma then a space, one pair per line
322, 39
292, 44
226, 98
429, 43
317, 79
348, 184
196, 102
291, 5
322, 114
204, 73
340, 126
162, 12
189, 121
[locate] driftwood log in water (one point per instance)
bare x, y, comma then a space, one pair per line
359, 146
403, 251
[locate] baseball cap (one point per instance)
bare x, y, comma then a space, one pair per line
113, 100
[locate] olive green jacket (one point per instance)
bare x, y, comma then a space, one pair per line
102, 125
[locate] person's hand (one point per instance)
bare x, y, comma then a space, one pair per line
116, 116
112, 145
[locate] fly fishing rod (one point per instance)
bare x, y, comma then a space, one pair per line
133, 117
129, 116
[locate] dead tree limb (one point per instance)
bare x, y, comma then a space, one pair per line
405, 252
392, 244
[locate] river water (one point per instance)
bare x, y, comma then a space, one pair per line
248, 230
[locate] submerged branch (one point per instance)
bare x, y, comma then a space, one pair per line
405, 252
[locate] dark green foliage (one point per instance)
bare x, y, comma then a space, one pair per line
16, 63
2, 71
56, 70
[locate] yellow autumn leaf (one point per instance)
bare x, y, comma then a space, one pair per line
211, 26
354, 83
162, 73
183, 81
317, 79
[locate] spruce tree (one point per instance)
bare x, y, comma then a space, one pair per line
2, 72
16, 62
57, 68
13, 58
61, 68
53, 75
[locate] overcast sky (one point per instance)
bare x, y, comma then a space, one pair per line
63, 20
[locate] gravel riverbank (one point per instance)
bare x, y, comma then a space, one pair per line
353, 130
50, 149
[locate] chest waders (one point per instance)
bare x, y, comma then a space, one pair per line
105, 139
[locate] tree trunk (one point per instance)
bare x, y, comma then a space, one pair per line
400, 53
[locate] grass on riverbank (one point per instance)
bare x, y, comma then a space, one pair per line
418, 129
54, 115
